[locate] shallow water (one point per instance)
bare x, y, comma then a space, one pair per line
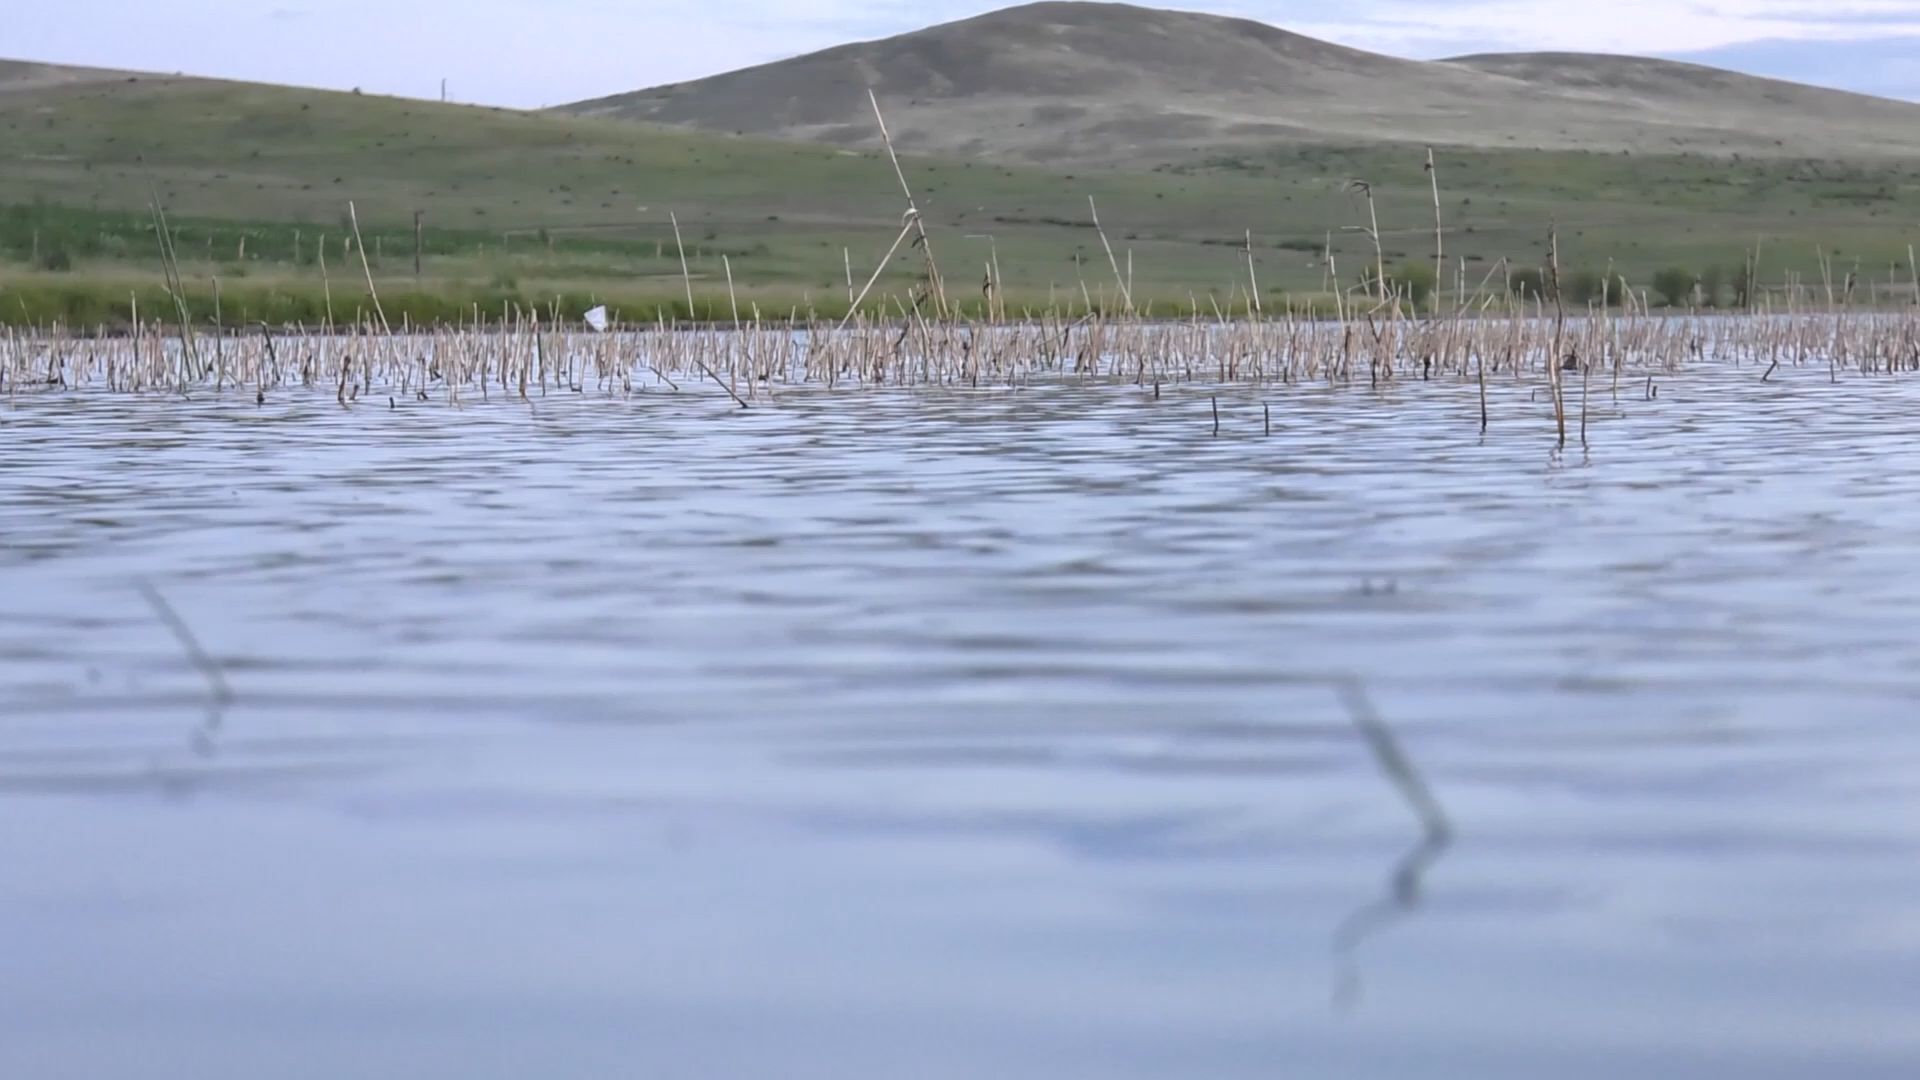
944, 734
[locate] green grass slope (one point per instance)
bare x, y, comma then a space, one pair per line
524, 205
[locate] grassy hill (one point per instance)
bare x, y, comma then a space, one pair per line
1118, 84
524, 206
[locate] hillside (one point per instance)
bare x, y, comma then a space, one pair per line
533, 204
1118, 84
24, 75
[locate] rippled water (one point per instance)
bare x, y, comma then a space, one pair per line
922, 734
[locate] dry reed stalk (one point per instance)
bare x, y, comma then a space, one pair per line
1559, 330
1125, 293
999, 288
1586, 382
686, 276
853, 309
1253, 280
353, 217
1333, 270
913, 208
1439, 235
176, 290
326, 282
733, 300
1372, 230
1482, 365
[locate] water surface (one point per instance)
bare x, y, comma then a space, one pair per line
963, 734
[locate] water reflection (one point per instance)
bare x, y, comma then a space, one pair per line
1404, 886
219, 695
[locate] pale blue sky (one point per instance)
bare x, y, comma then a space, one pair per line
540, 52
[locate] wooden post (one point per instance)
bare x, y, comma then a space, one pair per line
417, 238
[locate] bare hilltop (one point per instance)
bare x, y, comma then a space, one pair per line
1126, 85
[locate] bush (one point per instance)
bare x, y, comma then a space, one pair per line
1588, 287
56, 260
1674, 286
1528, 284
1415, 281
1712, 279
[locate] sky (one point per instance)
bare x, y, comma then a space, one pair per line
528, 53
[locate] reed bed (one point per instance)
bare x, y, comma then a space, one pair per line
529, 356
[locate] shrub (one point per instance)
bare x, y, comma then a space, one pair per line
1712, 279
1588, 287
1415, 281
1674, 286
1528, 284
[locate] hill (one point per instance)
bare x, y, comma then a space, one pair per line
24, 75
1118, 84
257, 178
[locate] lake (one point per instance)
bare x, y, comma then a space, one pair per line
939, 733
